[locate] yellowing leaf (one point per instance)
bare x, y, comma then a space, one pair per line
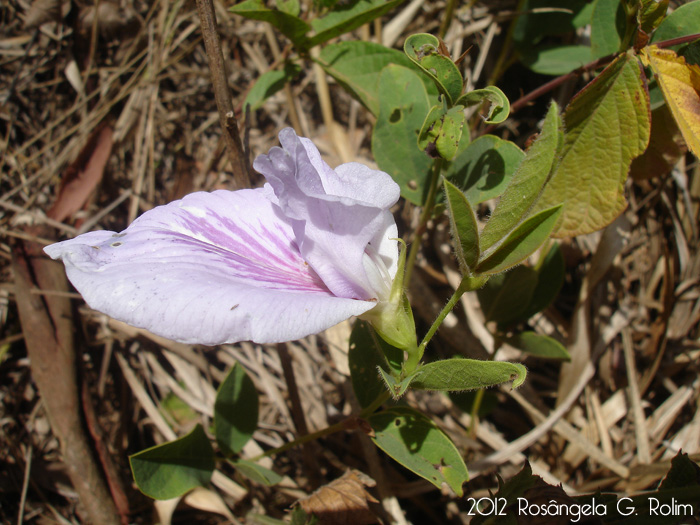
680, 84
606, 126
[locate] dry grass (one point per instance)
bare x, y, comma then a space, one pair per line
123, 108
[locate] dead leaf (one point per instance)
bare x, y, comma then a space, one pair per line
112, 20
343, 501
680, 85
42, 11
81, 178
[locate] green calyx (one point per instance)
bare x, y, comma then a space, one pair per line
393, 319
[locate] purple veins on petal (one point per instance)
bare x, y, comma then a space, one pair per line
274, 264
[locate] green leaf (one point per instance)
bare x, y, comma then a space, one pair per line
515, 296
607, 125
396, 131
685, 20
484, 168
607, 27
527, 182
291, 7
396, 387
257, 473
542, 18
556, 60
270, 83
290, 26
253, 518
691, 53
356, 65
369, 352
441, 133
415, 442
505, 297
550, 278
465, 230
499, 106
459, 374
521, 242
170, 470
539, 346
178, 409
423, 49
650, 14
344, 18
488, 402
300, 517
235, 411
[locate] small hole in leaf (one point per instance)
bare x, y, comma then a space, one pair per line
395, 116
397, 422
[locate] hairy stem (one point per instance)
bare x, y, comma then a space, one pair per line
468, 284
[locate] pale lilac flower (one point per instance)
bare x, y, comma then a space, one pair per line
310, 249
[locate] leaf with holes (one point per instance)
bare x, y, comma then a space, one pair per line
499, 106
441, 133
424, 50
396, 131
356, 65
415, 442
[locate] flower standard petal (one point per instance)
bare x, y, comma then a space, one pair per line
211, 268
336, 214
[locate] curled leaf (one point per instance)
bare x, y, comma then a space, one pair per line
343, 501
425, 50
499, 106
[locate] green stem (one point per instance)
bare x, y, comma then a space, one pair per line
478, 398
338, 427
424, 218
468, 284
